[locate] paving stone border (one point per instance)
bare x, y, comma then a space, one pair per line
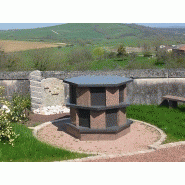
160, 141
155, 146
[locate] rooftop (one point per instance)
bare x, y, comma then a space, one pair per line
98, 81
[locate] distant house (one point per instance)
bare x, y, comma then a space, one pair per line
167, 48
179, 49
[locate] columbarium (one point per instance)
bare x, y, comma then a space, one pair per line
98, 107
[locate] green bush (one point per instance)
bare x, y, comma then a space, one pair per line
9, 61
121, 51
41, 60
99, 52
112, 55
79, 55
20, 106
7, 135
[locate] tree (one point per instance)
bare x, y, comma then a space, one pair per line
121, 51
146, 50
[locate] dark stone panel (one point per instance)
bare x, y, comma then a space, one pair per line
121, 93
111, 118
98, 96
84, 118
72, 94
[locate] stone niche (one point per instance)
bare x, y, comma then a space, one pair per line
52, 90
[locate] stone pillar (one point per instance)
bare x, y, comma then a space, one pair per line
35, 78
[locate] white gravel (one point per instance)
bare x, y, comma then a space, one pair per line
52, 110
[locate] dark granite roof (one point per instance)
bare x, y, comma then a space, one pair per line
98, 81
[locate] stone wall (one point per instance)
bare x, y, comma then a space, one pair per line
150, 91
148, 86
15, 82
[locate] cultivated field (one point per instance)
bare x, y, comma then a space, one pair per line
12, 46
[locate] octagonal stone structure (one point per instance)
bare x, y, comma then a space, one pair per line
98, 107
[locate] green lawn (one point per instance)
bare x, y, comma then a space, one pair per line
171, 121
28, 149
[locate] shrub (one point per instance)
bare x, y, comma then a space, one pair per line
20, 107
99, 52
8, 61
2, 58
112, 55
79, 55
41, 60
121, 51
7, 135
162, 56
12, 61
180, 60
133, 55
147, 54
146, 50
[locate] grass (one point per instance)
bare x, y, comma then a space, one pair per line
28, 149
171, 121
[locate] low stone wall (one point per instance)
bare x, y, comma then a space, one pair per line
151, 91
15, 82
148, 86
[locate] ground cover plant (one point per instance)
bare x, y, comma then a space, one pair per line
171, 121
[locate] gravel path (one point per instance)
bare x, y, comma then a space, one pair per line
138, 139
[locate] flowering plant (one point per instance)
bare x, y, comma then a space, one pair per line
7, 135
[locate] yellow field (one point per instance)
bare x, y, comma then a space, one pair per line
12, 46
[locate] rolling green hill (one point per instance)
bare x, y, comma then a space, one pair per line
100, 34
